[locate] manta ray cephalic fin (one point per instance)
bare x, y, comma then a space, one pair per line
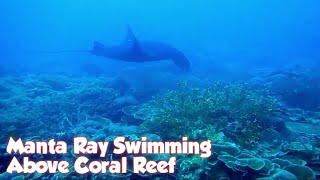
131, 40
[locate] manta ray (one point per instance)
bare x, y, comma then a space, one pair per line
134, 50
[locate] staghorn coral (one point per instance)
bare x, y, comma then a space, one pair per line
203, 113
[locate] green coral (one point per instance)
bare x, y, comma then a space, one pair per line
201, 113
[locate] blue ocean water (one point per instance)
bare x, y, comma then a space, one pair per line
254, 71
245, 31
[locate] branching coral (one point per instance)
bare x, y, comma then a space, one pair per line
202, 113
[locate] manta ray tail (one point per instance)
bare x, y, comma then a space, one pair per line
57, 51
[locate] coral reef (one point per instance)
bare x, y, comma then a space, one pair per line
246, 126
29, 103
243, 111
256, 134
